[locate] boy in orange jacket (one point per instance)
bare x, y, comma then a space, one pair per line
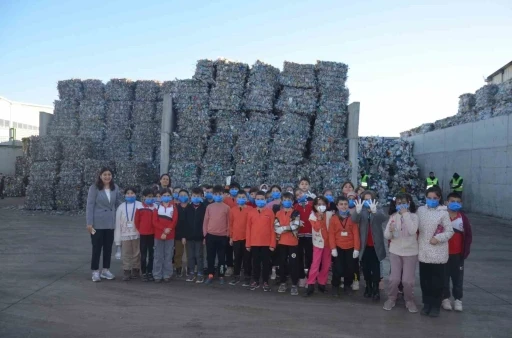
237, 238
261, 240
345, 244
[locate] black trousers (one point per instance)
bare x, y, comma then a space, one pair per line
454, 270
147, 253
305, 255
343, 267
371, 265
102, 240
260, 263
242, 256
216, 248
432, 283
229, 255
288, 263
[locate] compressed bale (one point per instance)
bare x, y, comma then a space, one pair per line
65, 120
184, 174
91, 110
331, 75
297, 100
145, 138
249, 174
70, 89
45, 148
143, 111
120, 90
94, 90
215, 172
118, 113
147, 90
77, 149
298, 75
187, 149
205, 71
332, 102
279, 173
504, 108
41, 189
21, 166
135, 174
466, 103
504, 93
262, 87
69, 190
226, 121
224, 97
231, 71
228, 90
484, 97
14, 186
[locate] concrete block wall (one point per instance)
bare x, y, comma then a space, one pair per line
481, 152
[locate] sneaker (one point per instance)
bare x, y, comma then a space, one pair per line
229, 272
96, 276
167, 280
135, 274
302, 283
144, 277
158, 280
200, 279
355, 285
179, 272
266, 287
254, 286
127, 275
426, 310
457, 305
294, 291
434, 312
235, 281
446, 304
389, 305
209, 281
411, 306
282, 288
247, 283
191, 278
106, 274
273, 276
221, 281
150, 277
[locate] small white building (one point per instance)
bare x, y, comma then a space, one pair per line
19, 119
501, 75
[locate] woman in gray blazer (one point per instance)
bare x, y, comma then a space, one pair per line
102, 201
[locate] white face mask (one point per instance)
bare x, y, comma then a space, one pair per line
321, 208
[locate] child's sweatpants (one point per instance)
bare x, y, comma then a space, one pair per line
403, 269
242, 256
147, 244
320, 266
130, 252
195, 257
164, 250
343, 267
260, 263
454, 270
288, 262
215, 248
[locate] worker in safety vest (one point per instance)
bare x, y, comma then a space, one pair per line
365, 180
432, 180
456, 183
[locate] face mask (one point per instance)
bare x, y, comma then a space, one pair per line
264, 190
260, 203
208, 196
366, 204
130, 199
217, 198
197, 200
454, 206
344, 213
432, 203
150, 201
270, 199
321, 208
351, 203
303, 198
166, 199
241, 201
402, 206
233, 192
276, 195
330, 198
183, 199
287, 204
176, 195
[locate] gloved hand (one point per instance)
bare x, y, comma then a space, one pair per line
359, 206
279, 230
334, 253
373, 206
355, 254
118, 252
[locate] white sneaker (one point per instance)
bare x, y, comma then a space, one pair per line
302, 283
229, 272
273, 276
106, 274
96, 276
457, 305
355, 285
446, 305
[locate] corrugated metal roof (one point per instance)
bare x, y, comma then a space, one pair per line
489, 78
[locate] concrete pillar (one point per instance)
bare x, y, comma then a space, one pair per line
165, 134
44, 121
353, 140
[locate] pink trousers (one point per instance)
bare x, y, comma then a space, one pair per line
319, 270
403, 269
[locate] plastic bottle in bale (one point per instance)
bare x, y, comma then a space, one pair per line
298, 75
147, 90
70, 89
262, 87
120, 90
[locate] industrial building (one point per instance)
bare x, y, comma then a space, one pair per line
501, 75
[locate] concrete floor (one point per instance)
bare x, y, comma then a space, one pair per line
46, 291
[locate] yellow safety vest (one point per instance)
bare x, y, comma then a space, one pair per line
364, 181
431, 182
456, 183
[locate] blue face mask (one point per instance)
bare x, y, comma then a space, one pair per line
208, 196
351, 204
276, 195
287, 204
241, 201
432, 203
166, 199
197, 200
183, 199
176, 195
402, 206
261, 203
303, 198
149, 201
130, 199
330, 198
454, 206
233, 192
366, 204
217, 198
344, 213
270, 199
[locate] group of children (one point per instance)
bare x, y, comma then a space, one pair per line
291, 233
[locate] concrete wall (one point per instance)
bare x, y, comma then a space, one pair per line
8, 158
481, 152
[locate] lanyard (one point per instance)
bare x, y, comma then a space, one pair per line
133, 212
344, 224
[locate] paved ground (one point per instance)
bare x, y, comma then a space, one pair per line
45, 291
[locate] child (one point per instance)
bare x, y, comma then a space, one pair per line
176, 195
260, 241
304, 207
179, 246
373, 250
193, 236
127, 234
158, 197
352, 197
165, 218
331, 206
286, 227
144, 225
275, 195
458, 248
230, 200
237, 239
319, 271
304, 186
268, 196
208, 194
216, 231
344, 243
360, 189
402, 230
252, 197
247, 189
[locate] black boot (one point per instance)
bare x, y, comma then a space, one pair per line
426, 309
310, 290
434, 311
376, 292
335, 292
321, 288
368, 290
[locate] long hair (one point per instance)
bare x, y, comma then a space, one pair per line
320, 198
402, 196
99, 182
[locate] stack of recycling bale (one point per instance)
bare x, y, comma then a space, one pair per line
146, 130
227, 117
120, 94
92, 116
14, 186
296, 105
503, 99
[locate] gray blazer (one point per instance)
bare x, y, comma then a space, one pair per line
376, 222
99, 211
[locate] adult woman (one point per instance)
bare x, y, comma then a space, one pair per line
102, 201
165, 181
435, 230
347, 187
